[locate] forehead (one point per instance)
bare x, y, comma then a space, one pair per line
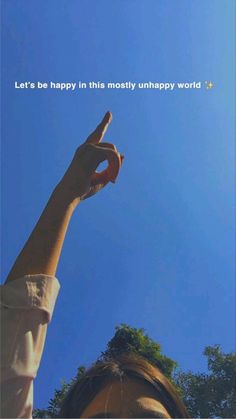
130, 398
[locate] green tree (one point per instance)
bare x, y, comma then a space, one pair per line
129, 339
212, 394
59, 395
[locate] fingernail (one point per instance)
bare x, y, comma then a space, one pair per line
109, 116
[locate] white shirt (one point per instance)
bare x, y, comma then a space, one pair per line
27, 305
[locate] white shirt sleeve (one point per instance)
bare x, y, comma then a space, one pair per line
27, 305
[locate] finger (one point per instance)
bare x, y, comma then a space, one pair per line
101, 154
99, 179
108, 145
113, 147
93, 190
98, 134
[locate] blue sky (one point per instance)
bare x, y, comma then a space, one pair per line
157, 249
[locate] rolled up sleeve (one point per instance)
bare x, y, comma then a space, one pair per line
27, 306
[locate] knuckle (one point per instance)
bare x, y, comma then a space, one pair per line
84, 148
88, 146
111, 146
83, 155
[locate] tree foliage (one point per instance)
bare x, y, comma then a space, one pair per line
207, 395
129, 339
213, 394
59, 395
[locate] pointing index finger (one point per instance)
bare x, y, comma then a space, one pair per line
98, 134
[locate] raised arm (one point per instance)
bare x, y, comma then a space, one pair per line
29, 295
41, 253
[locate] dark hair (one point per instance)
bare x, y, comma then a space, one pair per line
105, 372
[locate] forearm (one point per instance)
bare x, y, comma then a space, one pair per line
41, 253
42, 250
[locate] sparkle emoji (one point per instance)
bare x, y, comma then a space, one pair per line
209, 85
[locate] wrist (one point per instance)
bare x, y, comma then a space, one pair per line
64, 197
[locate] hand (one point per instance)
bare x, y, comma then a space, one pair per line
81, 179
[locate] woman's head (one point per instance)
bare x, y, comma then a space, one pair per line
127, 386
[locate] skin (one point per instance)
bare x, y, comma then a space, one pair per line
41, 254
132, 398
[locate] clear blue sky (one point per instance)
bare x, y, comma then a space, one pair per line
156, 250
